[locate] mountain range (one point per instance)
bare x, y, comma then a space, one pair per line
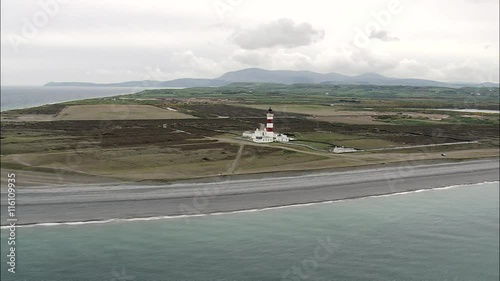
257, 75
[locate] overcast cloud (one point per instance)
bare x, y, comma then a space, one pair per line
122, 40
279, 33
382, 35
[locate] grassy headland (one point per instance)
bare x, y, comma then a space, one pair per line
168, 134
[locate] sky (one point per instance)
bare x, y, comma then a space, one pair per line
107, 41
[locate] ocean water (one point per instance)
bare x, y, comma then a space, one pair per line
15, 97
446, 234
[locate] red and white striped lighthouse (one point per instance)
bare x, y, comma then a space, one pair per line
269, 125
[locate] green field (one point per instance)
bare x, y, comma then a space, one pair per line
139, 137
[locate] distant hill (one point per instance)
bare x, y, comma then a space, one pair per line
257, 75
193, 82
183, 82
294, 77
377, 79
280, 76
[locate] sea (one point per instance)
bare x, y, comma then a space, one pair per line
445, 234
16, 97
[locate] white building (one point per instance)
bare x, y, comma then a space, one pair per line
281, 138
266, 135
341, 149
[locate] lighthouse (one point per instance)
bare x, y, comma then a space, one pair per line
269, 124
266, 133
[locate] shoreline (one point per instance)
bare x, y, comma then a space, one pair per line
39, 179
238, 211
125, 201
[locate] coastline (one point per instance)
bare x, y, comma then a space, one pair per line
82, 203
69, 223
39, 179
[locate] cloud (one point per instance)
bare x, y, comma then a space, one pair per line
105, 71
383, 36
253, 58
331, 60
409, 68
468, 70
194, 64
274, 59
176, 39
279, 33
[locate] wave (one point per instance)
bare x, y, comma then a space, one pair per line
244, 211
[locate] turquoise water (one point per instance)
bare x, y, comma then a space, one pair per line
449, 234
